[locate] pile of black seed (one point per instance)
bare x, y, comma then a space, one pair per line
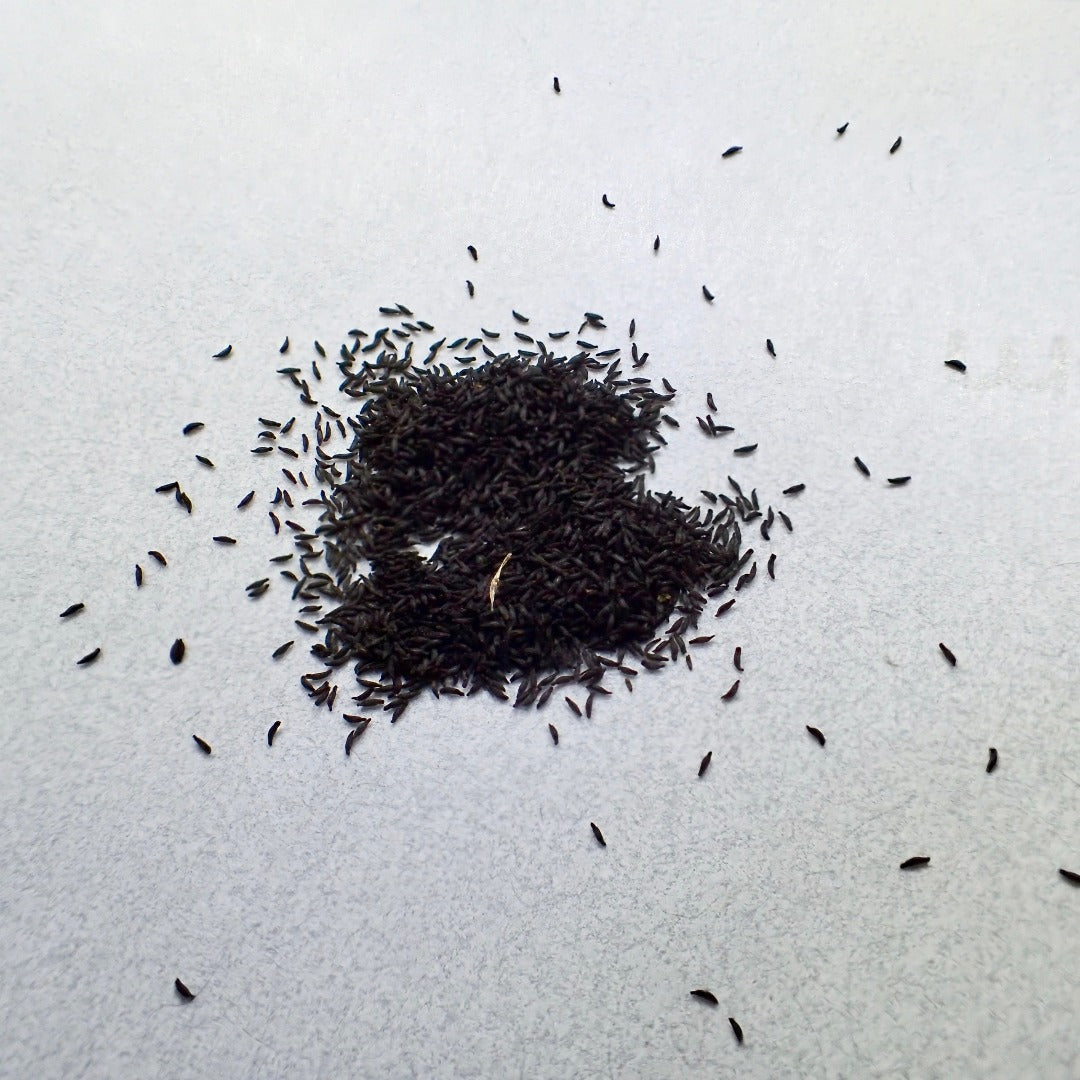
490, 525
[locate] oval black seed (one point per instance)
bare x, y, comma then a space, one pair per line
705, 995
915, 862
861, 467
176, 653
472, 251
158, 557
598, 834
284, 348
737, 659
272, 732
1070, 876
708, 295
224, 540
319, 349
196, 425
898, 481
770, 347
958, 365
90, 657
183, 991
74, 609
794, 489
554, 732
138, 576
656, 243
736, 1029
731, 150
224, 352
555, 83
842, 128
202, 744
281, 650
202, 459
896, 145
705, 762
817, 734
607, 202
731, 691
947, 653
991, 765
744, 450
245, 500
470, 287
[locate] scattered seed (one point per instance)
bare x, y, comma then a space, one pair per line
74, 609
705, 995
272, 732
705, 762
1070, 876
224, 352
737, 659
281, 650
842, 128
176, 653
472, 251
731, 691
224, 540
769, 346
736, 1029
896, 145
319, 349
958, 365
574, 707
202, 744
861, 467
744, 450
284, 346
724, 607
138, 576
190, 429
915, 862
90, 657
731, 151
183, 991
598, 834
245, 500
947, 653
554, 731
794, 489
991, 765
817, 734
158, 557
708, 295
772, 566
470, 287
656, 243
558, 88
899, 481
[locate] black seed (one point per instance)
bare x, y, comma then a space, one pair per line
138, 576
861, 467
656, 243
284, 346
947, 653
158, 557
202, 744
245, 500
281, 650
183, 991
786, 520
319, 349
898, 481
794, 489
607, 202
731, 691
272, 732
730, 151
176, 653
166, 488
842, 128
633, 323
772, 566
472, 251
896, 145
224, 540
74, 609
703, 640
708, 295
554, 733
915, 862
555, 83
744, 450
598, 834
224, 352
769, 346
705, 761
736, 1029
469, 286
196, 425
959, 365
737, 659
724, 607
816, 733
705, 995
1070, 876
991, 765
574, 707
710, 402
90, 657
203, 460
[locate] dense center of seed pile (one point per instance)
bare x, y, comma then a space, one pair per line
526, 473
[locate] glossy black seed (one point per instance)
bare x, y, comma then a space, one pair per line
555, 83
138, 576
794, 489
1071, 876
472, 251
817, 734
896, 145
737, 659
915, 862
656, 243
744, 450
74, 609
705, 995
272, 732
202, 744
898, 481
958, 365
731, 150
861, 467
598, 834
708, 295
991, 765
705, 762
245, 500
736, 1029
183, 991
224, 352
90, 657
947, 653
224, 540
770, 347
842, 128
176, 653
470, 287
607, 202
196, 425
284, 348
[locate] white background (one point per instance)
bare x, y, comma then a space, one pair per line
176, 177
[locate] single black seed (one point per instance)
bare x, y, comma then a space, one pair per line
708, 295
770, 347
158, 557
183, 991
899, 481
176, 653
656, 243
138, 576
519, 317
991, 765
319, 349
633, 324
470, 287
554, 731
705, 995
598, 834
958, 365
284, 348
816, 732
786, 520
224, 352
915, 862
794, 489
224, 540
731, 691
74, 609
947, 653
724, 607
90, 657
736, 1029
737, 659
202, 744
555, 83
710, 402
730, 151
705, 762
607, 202
245, 500
744, 450
166, 488
842, 128
896, 145
203, 460
281, 650
472, 251
196, 425
772, 566
574, 707
1070, 876
704, 639
861, 467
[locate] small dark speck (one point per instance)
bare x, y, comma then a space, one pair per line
899, 481
896, 145
176, 653
472, 289
861, 467
794, 489
947, 653
190, 429
224, 540
731, 151
598, 834
554, 731
73, 610
224, 352
272, 732
744, 450
708, 295
705, 762
202, 459
656, 244
957, 365
817, 734
202, 744
158, 557
183, 991
915, 862
245, 500
138, 576
555, 84
736, 1029
705, 995
472, 251
769, 345
731, 691
1070, 876
842, 128
284, 348
90, 657
607, 202
991, 765
281, 650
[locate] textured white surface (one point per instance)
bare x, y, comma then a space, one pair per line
178, 177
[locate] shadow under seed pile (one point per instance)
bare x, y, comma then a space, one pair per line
526, 475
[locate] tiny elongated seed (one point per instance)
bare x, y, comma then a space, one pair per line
272, 732
947, 653
598, 834
817, 734
915, 862
991, 765
183, 991
705, 995
202, 744
736, 1029
90, 657
1070, 876
842, 128
731, 151
554, 731
731, 691
224, 352
73, 610
705, 762
896, 145
176, 653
